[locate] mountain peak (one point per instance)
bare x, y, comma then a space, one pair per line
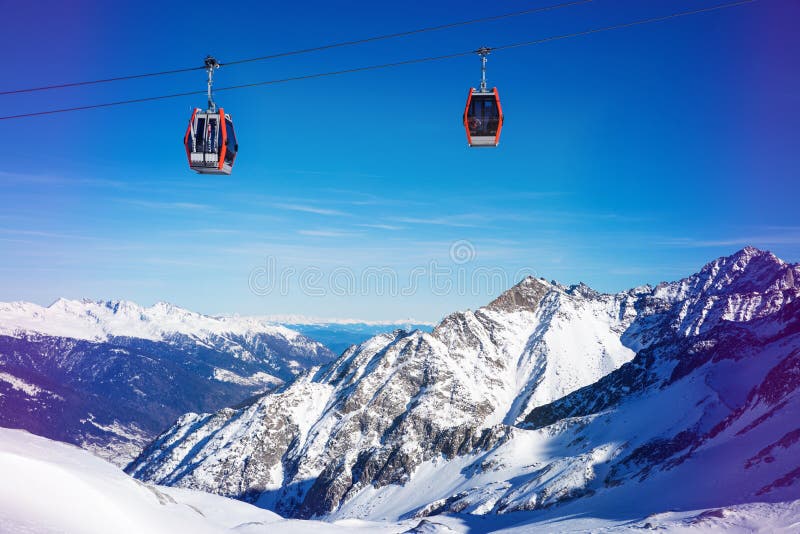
169, 308
747, 270
523, 296
76, 305
582, 290
741, 259
63, 302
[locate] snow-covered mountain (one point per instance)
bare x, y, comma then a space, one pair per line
102, 320
397, 400
548, 395
110, 376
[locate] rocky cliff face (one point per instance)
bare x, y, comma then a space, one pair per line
548, 395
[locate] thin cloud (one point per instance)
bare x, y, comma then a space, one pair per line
459, 221
178, 262
327, 233
382, 226
221, 231
689, 242
51, 179
309, 209
206, 232
360, 198
192, 206
38, 233
13, 240
311, 172
512, 195
558, 216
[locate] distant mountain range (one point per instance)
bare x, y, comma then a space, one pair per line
110, 376
556, 400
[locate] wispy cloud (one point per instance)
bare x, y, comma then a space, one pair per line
167, 205
314, 172
362, 198
52, 179
309, 209
510, 195
194, 232
39, 233
504, 215
177, 262
459, 221
561, 216
382, 226
15, 240
328, 233
219, 231
754, 240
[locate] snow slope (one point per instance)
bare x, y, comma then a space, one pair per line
49, 487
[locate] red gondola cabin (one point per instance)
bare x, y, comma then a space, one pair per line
483, 118
210, 142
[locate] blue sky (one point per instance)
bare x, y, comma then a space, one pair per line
627, 157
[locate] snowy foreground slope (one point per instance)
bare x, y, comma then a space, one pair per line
680, 396
110, 376
50, 487
54, 487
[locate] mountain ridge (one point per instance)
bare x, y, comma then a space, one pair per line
111, 375
101, 319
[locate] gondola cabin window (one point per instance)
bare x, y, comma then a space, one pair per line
483, 116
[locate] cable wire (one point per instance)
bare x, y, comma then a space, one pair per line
397, 63
626, 24
414, 32
307, 50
